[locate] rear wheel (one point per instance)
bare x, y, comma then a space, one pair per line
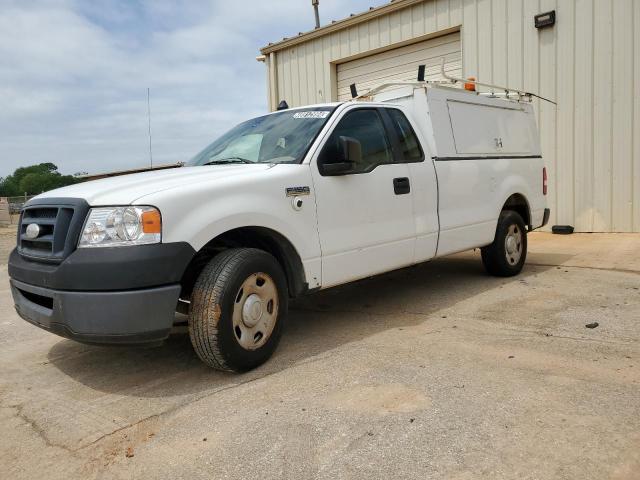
505, 257
237, 310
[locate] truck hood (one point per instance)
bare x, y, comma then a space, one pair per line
126, 189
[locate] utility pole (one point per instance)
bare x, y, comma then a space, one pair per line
315, 4
149, 115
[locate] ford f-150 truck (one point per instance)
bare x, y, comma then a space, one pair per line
282, 205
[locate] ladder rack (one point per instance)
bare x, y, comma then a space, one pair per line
507, 90
449, 80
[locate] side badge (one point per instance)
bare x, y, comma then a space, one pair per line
297, 191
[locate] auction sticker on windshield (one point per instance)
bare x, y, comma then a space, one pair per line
311, 114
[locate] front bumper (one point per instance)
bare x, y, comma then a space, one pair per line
103, 295
125, 317
107, 268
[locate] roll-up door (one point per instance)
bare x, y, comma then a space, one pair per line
401, 64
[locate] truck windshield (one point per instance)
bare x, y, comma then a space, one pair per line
282, 137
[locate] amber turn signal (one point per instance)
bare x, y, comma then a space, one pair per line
151, 222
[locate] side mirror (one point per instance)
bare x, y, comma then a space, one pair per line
349, 153
350, 150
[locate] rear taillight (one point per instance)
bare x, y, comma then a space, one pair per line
544, 180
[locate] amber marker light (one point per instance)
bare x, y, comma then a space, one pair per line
470, 86
151, 222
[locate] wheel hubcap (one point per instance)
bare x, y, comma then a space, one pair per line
513, 244
255, 311
252, 310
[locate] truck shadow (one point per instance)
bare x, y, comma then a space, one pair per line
317, 323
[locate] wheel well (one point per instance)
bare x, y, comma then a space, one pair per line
518, 203
250, 237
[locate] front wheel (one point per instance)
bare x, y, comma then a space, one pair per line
505, 257
238, 308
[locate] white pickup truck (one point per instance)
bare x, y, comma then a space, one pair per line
280, 206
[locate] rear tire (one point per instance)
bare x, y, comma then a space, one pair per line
505, 257
238, 309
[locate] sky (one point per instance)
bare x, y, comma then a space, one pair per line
74, 75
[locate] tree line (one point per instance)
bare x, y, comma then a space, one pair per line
34, 180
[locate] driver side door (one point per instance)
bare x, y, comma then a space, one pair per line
365, 215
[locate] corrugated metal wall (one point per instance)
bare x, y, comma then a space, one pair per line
589, 62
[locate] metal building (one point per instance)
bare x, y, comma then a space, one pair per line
588, 61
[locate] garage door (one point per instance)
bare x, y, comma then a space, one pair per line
401, 64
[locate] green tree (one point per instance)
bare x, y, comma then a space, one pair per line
33, 180
8, 187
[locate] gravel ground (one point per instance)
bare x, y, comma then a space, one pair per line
7, 242
436, 371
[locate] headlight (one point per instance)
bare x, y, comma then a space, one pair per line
120, 226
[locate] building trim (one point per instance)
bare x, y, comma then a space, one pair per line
273, 82
404, 43
340, 25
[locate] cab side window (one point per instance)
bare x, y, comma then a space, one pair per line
409, 145
365, 126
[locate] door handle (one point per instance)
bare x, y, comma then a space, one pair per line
401, 186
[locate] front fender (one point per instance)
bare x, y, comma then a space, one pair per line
200, 212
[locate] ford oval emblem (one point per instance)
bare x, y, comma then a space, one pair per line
32, 231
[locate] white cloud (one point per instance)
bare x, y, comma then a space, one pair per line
74, 74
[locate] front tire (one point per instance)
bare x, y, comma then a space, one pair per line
505, 257
238, 309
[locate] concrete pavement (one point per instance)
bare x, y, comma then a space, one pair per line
437, 371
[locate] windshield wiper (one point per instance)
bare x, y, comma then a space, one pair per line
222, 161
